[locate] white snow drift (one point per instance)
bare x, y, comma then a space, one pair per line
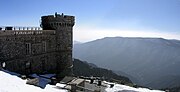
9, 83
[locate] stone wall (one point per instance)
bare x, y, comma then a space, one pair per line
29, 53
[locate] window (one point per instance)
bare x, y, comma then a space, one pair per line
4, 64
28, 48
27, 67
28, 64
43, 46
44, 63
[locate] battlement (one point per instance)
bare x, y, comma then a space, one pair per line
57, 20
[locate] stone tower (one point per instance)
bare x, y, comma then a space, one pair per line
63, 26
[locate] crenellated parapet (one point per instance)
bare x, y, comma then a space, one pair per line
54, 21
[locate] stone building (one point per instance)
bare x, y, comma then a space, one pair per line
47, 49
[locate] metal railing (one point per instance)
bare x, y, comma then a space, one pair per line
19, 28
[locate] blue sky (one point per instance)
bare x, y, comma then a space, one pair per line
100, 18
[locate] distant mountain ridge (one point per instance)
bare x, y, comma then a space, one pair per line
146, 59
76, 42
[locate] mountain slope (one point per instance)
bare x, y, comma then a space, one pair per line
84, 69
146, 59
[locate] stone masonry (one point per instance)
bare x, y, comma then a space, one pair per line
39, 50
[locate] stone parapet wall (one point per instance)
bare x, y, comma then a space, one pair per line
27, 32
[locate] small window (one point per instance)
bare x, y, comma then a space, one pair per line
4, 64
27, 64
43, 46
28, 48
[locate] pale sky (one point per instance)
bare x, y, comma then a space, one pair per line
89, 34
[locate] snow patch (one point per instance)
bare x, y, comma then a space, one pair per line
124, 88
10, 83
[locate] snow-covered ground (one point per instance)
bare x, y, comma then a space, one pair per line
124, 88
12, 83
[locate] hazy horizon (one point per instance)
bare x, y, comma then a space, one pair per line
82, 36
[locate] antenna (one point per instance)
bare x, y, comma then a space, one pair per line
55, 14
